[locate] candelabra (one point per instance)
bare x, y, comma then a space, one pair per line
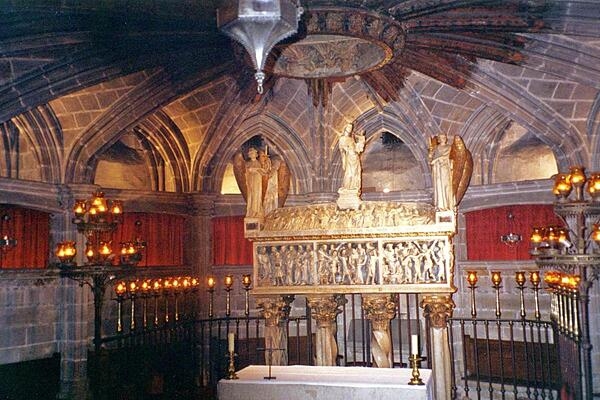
573, 250
96, 218
416, 375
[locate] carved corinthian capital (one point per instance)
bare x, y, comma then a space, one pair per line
324, 309
380, 309
437, 308
274, 309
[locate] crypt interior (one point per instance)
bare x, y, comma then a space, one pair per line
149, 104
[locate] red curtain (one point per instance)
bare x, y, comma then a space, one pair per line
163, 234
229, 245
484, 228
31, 229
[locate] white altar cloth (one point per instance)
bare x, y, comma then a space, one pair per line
299, 382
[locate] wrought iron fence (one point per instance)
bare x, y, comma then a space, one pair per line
502, 357
159, 348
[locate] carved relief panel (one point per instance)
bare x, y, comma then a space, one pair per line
368, 265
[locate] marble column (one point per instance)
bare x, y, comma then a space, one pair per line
275, 310
324, 309
437, 309
380, 309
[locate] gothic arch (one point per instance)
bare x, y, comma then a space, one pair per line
593, 132
166, 139
44, 132
374, 123
290, 147
531, 113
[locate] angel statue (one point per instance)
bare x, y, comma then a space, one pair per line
263, 181
451, 168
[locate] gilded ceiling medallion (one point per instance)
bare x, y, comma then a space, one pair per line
339, 43
321, 56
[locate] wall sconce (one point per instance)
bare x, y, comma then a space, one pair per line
511, 239
6, 241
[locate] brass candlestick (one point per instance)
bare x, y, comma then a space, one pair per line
231, 370
416, 376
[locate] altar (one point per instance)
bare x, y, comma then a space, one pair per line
299, 382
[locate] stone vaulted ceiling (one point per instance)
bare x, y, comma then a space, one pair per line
84, 76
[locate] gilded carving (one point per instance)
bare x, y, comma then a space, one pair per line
402, 261
370, 214
437, 308
273, 309
324, 309
380, 309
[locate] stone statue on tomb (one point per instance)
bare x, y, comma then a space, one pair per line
264, 181
350, 146
451, 169
441, 173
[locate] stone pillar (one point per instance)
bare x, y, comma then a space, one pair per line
275, 310
200, 256
437, 309
380, 309
324, 309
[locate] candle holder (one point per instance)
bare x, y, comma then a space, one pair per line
416, 375
231, 369
472, 281
246, 281
496, 283
211, 295
534, 278
520, 280
228, 287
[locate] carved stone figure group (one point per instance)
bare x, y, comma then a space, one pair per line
413, 262
368, 215
352, 263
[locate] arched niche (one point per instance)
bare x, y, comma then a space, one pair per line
389, 165
228, 182
125, 165
521, 156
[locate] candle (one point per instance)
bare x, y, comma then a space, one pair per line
414, 345
231, 342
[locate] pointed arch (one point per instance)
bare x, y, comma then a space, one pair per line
375, 123
168, 141
275, 131
45, 134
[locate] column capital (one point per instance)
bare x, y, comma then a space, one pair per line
274, 309
437, 308
379, 309
325, 308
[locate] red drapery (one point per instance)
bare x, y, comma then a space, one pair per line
31, 229
163, 234
230, 247
484, 228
